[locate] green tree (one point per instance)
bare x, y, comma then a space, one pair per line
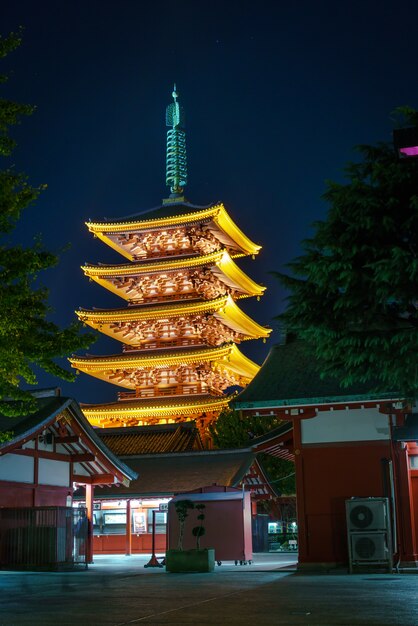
28, 338
231, 430
354, 290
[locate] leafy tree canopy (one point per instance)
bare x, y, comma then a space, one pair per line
27, 337
233, 431
354, 290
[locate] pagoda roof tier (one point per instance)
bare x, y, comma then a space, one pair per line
219, 263
155, 410
227, 357
112, 322
172, 215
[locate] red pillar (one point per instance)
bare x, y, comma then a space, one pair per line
128, 529
408, 553
303, 541
35, 476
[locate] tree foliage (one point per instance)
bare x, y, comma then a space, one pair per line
354, 290
231, 430
27, 337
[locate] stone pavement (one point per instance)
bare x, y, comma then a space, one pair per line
119, 591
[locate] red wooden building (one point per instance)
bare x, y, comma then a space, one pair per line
52, 450
169, 460
346, 443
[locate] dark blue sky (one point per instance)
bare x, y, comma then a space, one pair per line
276, 95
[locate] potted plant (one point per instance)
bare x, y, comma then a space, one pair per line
199, 531
196, 559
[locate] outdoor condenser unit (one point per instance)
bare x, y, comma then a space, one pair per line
369, 547
367, 514
369, 532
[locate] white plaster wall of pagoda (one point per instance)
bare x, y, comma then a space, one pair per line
346, 425
54, 473
17, 468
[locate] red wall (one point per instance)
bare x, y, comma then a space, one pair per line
227, 526
116, 544
329, 475
22, 495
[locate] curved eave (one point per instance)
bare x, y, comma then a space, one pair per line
125, 411
143, 267
224, 309
217, 214
228, 357
228, 226
237, 277
161, 222
233, 317
165, 310
220, 263
228, 353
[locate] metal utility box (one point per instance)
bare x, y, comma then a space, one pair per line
227, 523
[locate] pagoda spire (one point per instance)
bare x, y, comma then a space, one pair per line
176, 161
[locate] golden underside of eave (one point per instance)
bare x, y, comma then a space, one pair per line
228, 353
126, 370
166, 310
218, 213
224, 307
133, 331
127, 413
219, 263
141, 267
126, 378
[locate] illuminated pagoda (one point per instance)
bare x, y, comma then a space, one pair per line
180, 322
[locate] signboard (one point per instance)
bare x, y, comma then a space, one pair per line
164, 506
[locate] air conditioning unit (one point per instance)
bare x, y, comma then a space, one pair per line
369, 547
369, 532
367, 514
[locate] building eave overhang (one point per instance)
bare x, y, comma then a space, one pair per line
125, 411
320, 401
224, 309
217, 214
220, 263
227, 355
15, 441
120, 470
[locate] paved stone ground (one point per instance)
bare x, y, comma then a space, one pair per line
119, 591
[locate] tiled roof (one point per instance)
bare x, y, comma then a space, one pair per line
198, 399
290, 373
166, 210
152, 439
167, 474
49, 408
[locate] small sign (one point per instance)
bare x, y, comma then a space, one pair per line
163, 506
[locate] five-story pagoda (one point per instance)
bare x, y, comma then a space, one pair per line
180, 325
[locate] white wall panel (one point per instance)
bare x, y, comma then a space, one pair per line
17, 468
346, 425
54, 473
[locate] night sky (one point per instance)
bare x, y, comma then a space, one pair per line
276, 95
